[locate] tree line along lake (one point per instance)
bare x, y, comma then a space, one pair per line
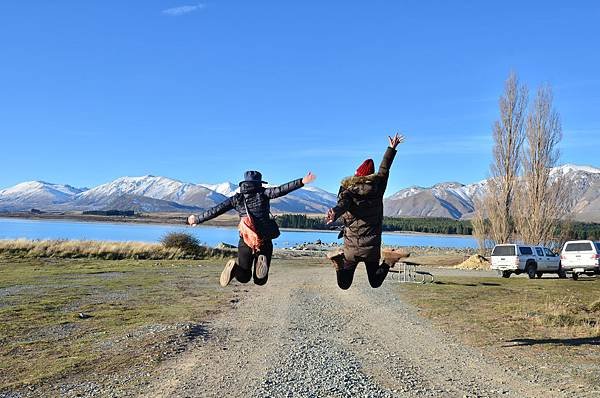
15, 228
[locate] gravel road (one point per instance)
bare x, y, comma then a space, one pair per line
301, 336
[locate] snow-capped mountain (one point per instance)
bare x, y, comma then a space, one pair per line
572, 168
442, 200
137, 203
149, 194
308, 199
225, 188
160, 188
585, 190
455, 200
162, 194
36, 193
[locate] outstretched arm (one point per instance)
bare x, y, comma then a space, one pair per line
390, 153
211, 213
286, 188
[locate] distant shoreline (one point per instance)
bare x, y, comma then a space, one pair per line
176, 219
158, 219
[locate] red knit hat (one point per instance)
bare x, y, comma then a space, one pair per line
367, 167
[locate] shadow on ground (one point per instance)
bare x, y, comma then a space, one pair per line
564, 342
467, 284
197, 331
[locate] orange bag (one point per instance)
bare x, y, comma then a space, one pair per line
248, 231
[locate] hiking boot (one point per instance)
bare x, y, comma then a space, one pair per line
262, 267
227, 274
337, 258
392, 256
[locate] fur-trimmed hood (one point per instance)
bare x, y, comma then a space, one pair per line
361, 185
358, 180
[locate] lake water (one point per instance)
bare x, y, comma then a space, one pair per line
12, 228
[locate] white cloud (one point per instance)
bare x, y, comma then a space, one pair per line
182, 10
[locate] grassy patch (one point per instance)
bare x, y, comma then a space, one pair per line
547, 321
186, 249
134, 307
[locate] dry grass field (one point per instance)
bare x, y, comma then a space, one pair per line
135, 312
552, 322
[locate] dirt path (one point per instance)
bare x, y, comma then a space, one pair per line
301, 336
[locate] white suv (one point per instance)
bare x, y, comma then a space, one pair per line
581, 257
533, 260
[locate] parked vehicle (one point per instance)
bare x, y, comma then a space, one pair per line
533, 260
581, 257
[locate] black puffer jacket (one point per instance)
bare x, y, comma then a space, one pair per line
360, 204
258, 201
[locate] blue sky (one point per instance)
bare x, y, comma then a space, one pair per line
94, 90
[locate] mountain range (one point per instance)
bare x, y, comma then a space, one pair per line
456, 200
161, 194
148, 194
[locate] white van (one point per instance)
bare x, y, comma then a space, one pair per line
533, 260
581, 257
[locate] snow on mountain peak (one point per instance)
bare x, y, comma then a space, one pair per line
28, 187
36, 193
154, 187
225, 188
568, 168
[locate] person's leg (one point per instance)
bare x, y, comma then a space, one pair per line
243, 268
345, 274
376, 273
263, 263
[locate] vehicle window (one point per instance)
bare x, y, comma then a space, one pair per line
504, 251
539, 251
526, 251
549, 252
578, 247
597, 246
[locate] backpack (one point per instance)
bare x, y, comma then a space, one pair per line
248, 231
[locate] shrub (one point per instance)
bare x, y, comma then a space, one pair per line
183, 241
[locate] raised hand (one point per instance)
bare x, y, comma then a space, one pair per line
310, 177
396, 140
330, 216
193, 220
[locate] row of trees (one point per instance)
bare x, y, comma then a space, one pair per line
565, 230
524, 201
579, 231
428, 225
301, 221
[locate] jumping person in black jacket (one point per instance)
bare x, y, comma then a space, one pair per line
254, 197
360, 204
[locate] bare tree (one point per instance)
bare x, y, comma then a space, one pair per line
508, 133
543, 196
480, 225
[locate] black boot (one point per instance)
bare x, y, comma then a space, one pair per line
337, 258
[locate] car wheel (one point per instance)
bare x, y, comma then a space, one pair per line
561, 273
575, 276
539, 275
531, 271
506, 274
